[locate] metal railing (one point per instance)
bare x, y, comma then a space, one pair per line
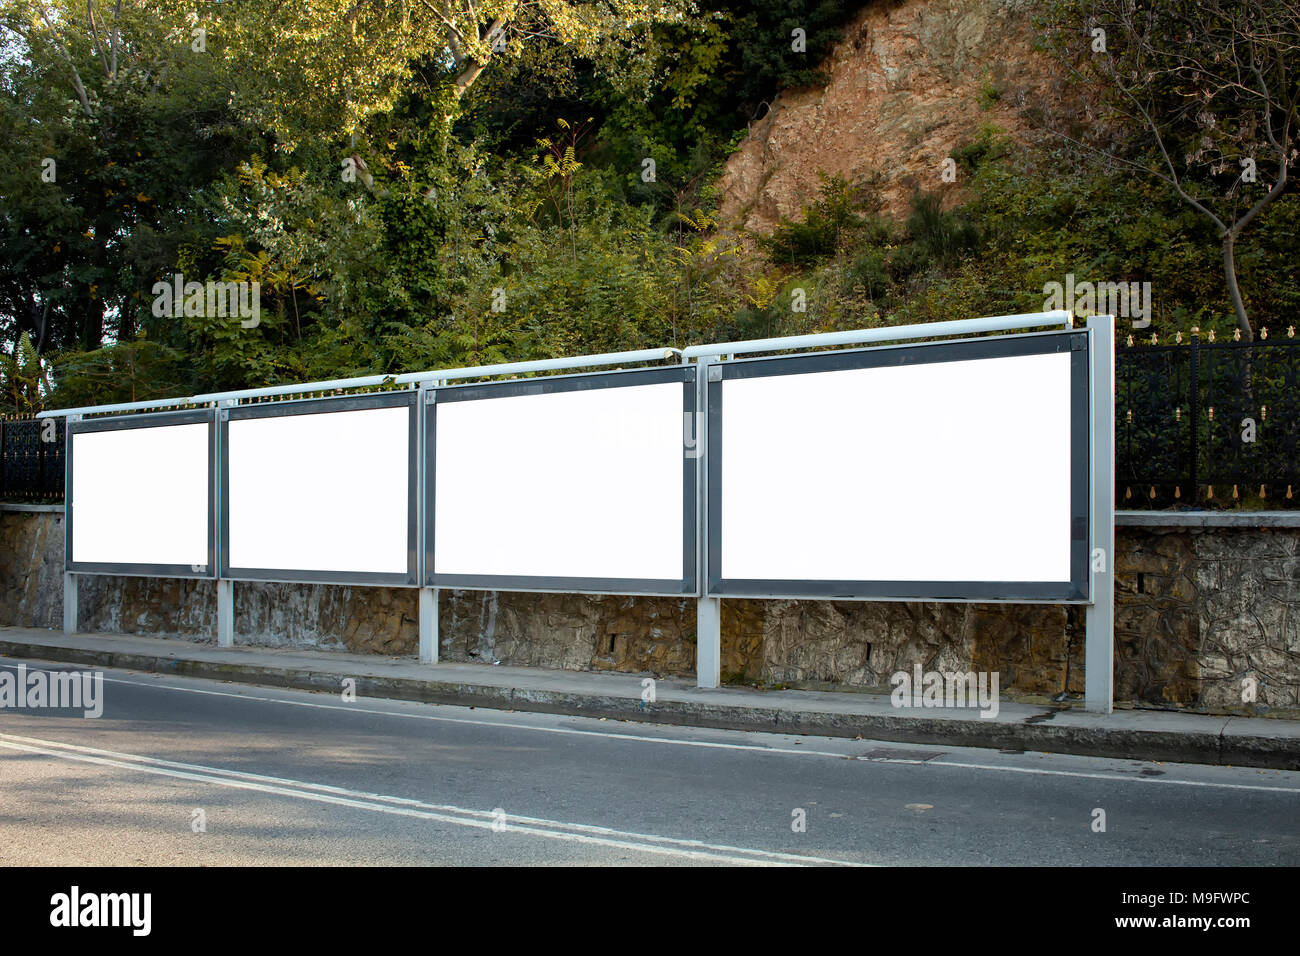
1176, 445
31, 459
1208, 424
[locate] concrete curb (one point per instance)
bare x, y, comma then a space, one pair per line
1056, 731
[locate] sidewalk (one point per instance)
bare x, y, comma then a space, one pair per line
1130, 734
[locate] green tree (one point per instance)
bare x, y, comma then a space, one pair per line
1209, 93
113, 129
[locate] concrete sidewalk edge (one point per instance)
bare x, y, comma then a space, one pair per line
1177, 746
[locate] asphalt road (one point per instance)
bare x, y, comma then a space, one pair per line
180, 771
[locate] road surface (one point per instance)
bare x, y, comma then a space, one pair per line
182, 771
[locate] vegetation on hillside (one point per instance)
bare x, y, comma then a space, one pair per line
428, 185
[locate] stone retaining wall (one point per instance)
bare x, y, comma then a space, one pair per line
1198, 609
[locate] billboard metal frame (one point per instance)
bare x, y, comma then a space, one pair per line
77, 426
324, 406
1073, 591
704, 362
685, 586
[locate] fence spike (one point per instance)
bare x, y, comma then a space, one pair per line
1211, 492
1178, 413
1261, 492
1211, 413
1290, 331
1236, 335
1178, 337
1263, 332
1178, 491
1128, 492
1211, 335
1153, 492
1288, 491
1130, 341
1235, 496
1263, 412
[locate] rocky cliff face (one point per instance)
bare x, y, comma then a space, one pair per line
910, 81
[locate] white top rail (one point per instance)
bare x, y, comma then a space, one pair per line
408, 378
992, 323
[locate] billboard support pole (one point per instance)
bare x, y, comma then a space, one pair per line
69, 579
428, 625
708, 641
225, 612
69, 603
225, 586
1099, 620
428, 600
708, 610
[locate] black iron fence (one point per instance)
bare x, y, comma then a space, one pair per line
1198, 424
1208, 424
31, 459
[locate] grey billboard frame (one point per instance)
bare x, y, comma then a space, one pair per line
1073, 591
119, 423
325, 406
704, 361
686, 586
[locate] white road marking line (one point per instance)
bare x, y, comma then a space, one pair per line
1106, 776
755, 748
402, 806
352, 709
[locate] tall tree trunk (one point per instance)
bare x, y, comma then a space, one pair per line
1230, 274
42, 326
126, 324
92, 326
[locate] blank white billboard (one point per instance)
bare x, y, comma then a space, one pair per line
140, 496
563, 485
327, 491
943, 471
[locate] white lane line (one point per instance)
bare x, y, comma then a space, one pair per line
716, 745
397, 801
1107, 776
404, 806
352, 709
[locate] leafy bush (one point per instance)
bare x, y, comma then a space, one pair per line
829, 224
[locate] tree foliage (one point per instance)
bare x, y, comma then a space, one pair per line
1205, 97
422, 185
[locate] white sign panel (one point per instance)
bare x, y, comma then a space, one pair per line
903, 473
577, 485
325, 492
140, 497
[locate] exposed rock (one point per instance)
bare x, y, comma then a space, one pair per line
908, 83
1247, 585
31, 568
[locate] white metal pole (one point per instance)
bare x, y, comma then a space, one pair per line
708, 637
1099, 641
991, 323
225, 587
69, 603
368, 381
897, 333
70, 607
428, 599
708, 610
225, 612
428, 625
